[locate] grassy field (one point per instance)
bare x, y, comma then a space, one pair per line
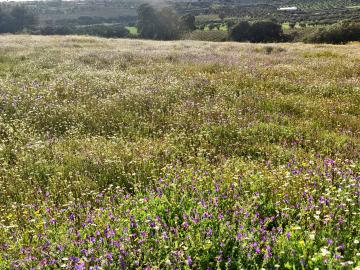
132, 154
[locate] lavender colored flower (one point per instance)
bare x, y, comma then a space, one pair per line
189, 260
80, 265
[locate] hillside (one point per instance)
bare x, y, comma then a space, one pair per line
124, 11
133, 154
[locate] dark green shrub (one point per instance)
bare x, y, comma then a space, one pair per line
335, 34
240, 32
264, 31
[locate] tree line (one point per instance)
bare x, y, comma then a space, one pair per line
165, 24
16, 19
100, 30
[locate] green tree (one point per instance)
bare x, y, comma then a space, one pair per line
240, 32
16, 20
187, 23
169, 26
147, 21
266, 31
153, 24
22, 18
6, 23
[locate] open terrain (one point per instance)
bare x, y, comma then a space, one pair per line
132, 154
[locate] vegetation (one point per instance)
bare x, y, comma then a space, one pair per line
257, 32
101, 30
241, 31
254, 22
210, 35
337, 34
133, 154
153, 24
15, 20
162, 24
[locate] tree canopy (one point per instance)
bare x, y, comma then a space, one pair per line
263, 31
162, 24
16, 20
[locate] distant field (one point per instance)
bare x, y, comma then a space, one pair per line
206, 18
354, 7
133, 154
132, 29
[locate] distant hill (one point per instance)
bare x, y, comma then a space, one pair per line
308, 12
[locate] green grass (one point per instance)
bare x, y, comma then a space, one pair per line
206, 18
222, 27
354, 7
132, 29
207, 35
285, 26
133, 154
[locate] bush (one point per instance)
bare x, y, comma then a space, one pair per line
269, 50
335, 34
264, 31
240, 32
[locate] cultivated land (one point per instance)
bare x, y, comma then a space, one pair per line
131, 154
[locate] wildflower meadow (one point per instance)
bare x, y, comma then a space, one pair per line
132, 154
